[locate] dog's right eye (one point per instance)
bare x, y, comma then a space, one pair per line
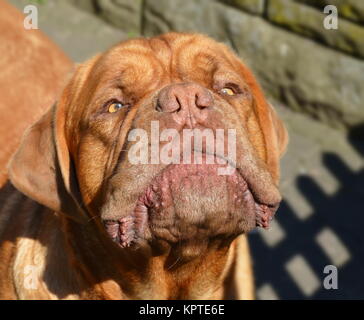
115, 107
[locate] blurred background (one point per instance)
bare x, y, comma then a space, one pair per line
315, 79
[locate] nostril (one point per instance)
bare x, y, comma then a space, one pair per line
198, 102
158, 107
179, 105
203, 100
168, 103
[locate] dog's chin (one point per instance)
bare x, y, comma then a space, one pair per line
191, 203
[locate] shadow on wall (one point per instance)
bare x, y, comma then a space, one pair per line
292, 268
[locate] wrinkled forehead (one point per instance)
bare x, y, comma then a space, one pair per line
138, 64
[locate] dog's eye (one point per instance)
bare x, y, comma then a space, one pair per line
228, 91
115, 107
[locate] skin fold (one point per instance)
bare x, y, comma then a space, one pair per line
71, 179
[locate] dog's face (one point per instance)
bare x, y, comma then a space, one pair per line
175, 83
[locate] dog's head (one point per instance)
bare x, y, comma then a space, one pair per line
168, 138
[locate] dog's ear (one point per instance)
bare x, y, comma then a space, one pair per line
280, 131
32, 169
41, 167
274, 131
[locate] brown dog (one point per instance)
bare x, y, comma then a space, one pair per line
33, 73
108, 228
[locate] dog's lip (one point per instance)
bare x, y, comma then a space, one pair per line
125, 231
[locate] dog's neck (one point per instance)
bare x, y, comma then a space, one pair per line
158, 271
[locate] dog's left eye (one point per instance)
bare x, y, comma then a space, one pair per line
228, 91
115, 107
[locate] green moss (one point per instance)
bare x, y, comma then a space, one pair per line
348, 11
252, 6
308, 21
39, 1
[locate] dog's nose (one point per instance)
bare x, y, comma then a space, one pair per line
188, 102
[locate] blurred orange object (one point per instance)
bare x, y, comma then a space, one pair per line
33, 71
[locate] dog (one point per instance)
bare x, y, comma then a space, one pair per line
86, 218
33, 73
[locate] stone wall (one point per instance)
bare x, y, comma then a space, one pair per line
298, 62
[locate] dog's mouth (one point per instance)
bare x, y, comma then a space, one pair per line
192, 201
